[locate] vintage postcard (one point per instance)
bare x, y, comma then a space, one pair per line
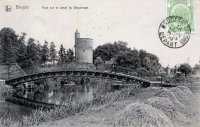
100, 63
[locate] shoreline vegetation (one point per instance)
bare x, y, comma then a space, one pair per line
160, 107
169, 107
173, 98
40, 116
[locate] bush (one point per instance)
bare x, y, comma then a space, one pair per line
185, 68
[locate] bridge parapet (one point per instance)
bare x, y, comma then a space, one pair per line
76, 73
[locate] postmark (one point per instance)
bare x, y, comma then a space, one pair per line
182, 8
174, 32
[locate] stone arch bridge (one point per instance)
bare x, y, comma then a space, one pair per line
78, 73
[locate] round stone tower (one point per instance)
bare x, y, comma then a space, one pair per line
83, 49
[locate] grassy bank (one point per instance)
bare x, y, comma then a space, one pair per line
40, 116
173, 107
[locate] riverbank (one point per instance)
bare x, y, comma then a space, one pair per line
113, 114
70, 109
100, 116
116, 109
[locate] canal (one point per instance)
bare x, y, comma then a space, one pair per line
54, 92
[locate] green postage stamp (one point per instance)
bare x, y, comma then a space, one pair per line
182, 8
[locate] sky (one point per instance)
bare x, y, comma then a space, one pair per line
133, 21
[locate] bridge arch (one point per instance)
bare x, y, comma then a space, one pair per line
80, 73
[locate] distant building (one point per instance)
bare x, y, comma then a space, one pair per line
168, 70
83, 49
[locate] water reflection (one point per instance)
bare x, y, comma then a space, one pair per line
55, 92
10, 110
61, 94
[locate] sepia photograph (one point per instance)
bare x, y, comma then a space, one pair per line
100, 63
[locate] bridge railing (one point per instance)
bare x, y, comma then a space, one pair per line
90, 67
135, 72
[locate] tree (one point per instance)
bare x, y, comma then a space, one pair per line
109, 50
52, 53
98, 61
149, 61
40, 51
196, 68
32, 52
142, 72
69, 56
8, 40
61, 54
153, 57
185, 68
154, 67
129, 59
142, 56
146, 62
45, 53
21, 52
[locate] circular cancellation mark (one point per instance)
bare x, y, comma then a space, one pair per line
174, 32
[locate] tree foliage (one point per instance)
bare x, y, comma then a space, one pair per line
27, 53
8, 41
65, 56
33, 52
185, 68
128, 58
21, 53
109, 50
98, 61
61, 54
16, 48
52, 53
69, 56
45, 53
196, 68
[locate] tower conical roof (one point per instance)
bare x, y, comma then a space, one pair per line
77, 30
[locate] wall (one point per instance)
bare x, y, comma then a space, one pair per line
84, 50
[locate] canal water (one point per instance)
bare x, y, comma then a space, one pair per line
10, 110
55, 93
